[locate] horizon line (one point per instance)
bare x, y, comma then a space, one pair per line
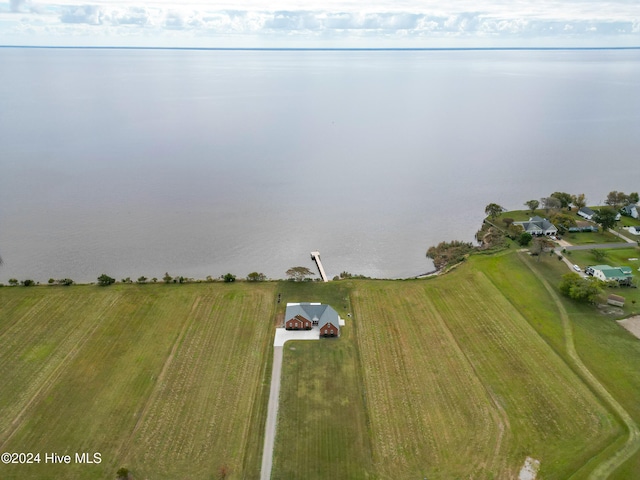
319, 49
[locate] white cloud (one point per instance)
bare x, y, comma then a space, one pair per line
406, 20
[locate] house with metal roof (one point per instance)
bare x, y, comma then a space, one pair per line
538, 226
304, 316
607, 273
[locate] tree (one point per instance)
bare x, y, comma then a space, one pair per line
562, 221
142, 279
256, 277
551, 203
564, 197
298, 274
632, 198
539, 245
581, 289
606, 217
493, 210
28, 283
154, 279
65, 281
524, 239
229, 277
598, 253
532, 204
449, 253
122, 473
51, 281
580, 201
104, 280
13, 282
167, 278
616, 199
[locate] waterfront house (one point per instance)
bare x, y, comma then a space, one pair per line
538, 226
629, 211
304, 316
586, 212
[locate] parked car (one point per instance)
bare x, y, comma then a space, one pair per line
577, 268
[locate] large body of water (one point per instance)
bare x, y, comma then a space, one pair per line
139, 162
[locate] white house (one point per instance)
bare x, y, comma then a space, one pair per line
630, 211
607, 273
586, 212
538, 226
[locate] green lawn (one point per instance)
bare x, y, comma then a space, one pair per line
459, 384
610, 352
591, 238
167, 380
322, 426
458, 376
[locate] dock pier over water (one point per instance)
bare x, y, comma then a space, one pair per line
315, 256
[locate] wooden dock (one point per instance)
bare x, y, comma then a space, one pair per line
315, 256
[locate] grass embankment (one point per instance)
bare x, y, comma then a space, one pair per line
169, 381
458, 383
607, 350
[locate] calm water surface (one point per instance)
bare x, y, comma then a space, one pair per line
139, 162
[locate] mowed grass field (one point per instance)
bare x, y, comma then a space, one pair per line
459, 385
170, 381
610, 352
460, 376
322, 428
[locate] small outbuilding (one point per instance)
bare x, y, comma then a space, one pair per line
616, 300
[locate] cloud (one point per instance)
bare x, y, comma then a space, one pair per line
16, 5
89, 14
332, 19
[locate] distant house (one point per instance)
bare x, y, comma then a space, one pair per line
305, 316
583, 228
629, 211
538, 226
606, 273
586, 212
616, 300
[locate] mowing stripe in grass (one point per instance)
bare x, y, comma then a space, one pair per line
608, 466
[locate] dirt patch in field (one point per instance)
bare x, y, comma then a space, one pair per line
632, 324
610, 310
529, 469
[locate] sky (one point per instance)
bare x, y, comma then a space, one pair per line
321, 24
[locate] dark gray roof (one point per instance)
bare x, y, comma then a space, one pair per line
587, 211
313, 311
628, 209
537, 223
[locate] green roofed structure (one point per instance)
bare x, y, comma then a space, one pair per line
607, 273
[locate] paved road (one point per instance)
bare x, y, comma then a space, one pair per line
569, 264
272, 415
626, 239
281, 337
